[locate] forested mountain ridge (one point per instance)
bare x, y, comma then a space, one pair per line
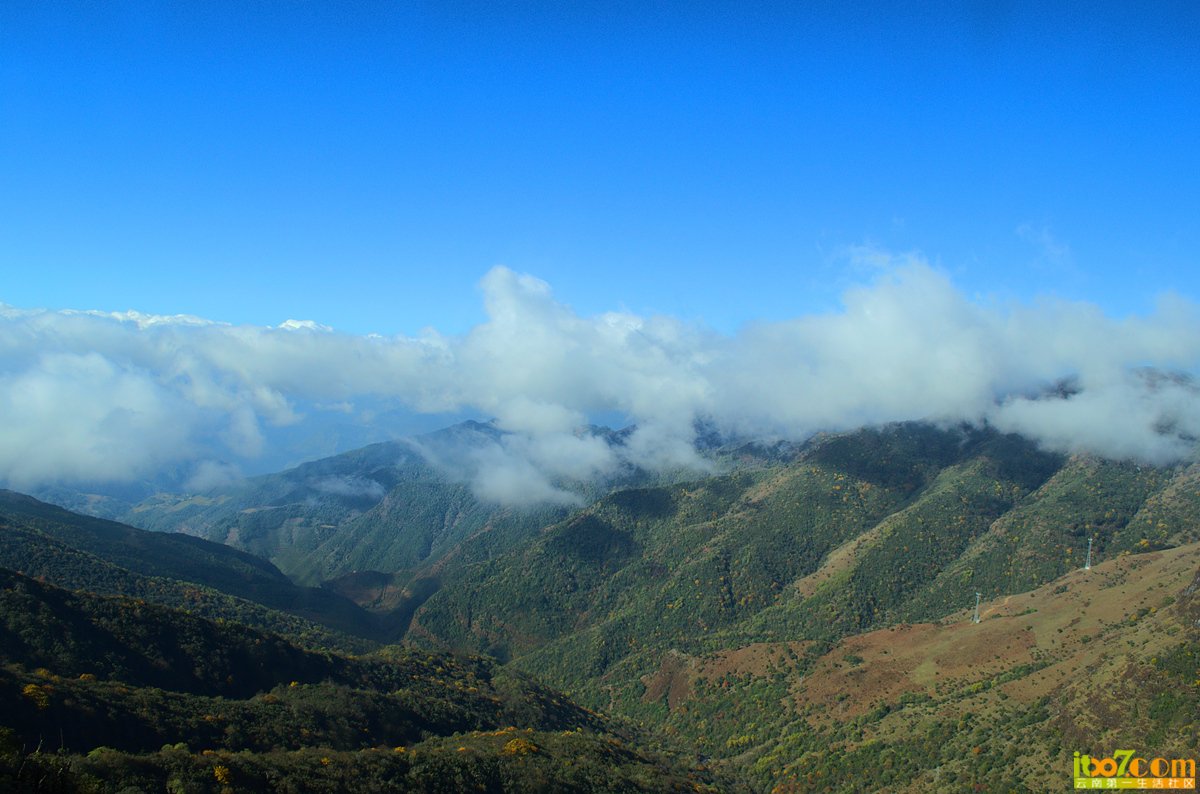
136, 694
388, 505
107, 557
859, 530
399, 505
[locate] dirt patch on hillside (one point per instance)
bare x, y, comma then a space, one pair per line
921, 660
672, 679
678, 672
1025, 645
756, 659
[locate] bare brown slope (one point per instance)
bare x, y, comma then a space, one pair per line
1066, 627
1082, 663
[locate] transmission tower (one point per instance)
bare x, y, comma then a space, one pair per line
1087, 566
976, 618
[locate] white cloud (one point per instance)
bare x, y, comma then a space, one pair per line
79, 416
1130, 418
93, 396
498, 474
209, 475
350, 486
304, 325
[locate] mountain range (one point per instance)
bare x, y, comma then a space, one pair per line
796, 617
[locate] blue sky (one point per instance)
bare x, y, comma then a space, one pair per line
775, 218
363, 165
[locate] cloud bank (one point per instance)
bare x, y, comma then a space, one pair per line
91, 396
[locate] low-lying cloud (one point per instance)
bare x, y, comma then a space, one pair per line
90, 396
353, 487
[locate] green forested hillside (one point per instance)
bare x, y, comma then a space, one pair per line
40, 556
395, 506
292, 511
130, 693
107, 557
835, 542
385, 507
